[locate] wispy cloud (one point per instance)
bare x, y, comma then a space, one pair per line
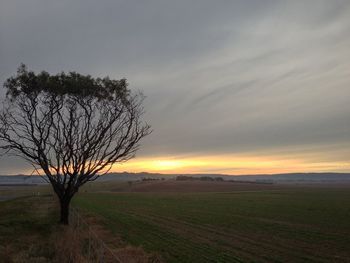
221, 77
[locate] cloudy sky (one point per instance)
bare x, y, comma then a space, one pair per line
233, 87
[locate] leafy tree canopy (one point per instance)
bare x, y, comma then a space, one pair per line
71, 83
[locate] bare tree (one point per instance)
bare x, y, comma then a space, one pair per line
72, 128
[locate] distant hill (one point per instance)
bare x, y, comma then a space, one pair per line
21, 179
297, 177
125, 176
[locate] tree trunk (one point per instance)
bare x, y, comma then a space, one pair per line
64, 211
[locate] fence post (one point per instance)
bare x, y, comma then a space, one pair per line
89, 243
101, 252
77, 220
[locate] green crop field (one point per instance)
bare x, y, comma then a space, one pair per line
300, 225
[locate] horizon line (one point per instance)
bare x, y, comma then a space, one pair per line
175, 174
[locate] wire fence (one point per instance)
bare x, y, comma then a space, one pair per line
94, 249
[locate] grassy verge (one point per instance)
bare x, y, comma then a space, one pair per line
26, 227
29, 232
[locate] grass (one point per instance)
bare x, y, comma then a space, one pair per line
30, 232
26, 226
301, 225
10, 192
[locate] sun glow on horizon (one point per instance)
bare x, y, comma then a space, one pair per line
230, 165
167, 164
274, 162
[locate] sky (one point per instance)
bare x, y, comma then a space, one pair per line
233, 87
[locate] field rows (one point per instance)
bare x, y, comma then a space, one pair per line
251, 227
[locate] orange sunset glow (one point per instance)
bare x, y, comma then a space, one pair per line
229, 165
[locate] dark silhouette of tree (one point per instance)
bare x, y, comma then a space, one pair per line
70, 127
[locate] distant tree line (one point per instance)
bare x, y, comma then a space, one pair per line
152, 179
202, 178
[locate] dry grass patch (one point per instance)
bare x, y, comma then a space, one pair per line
137, 255
116, 245
67, 245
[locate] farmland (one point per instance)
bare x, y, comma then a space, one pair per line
283, 224
188, 221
